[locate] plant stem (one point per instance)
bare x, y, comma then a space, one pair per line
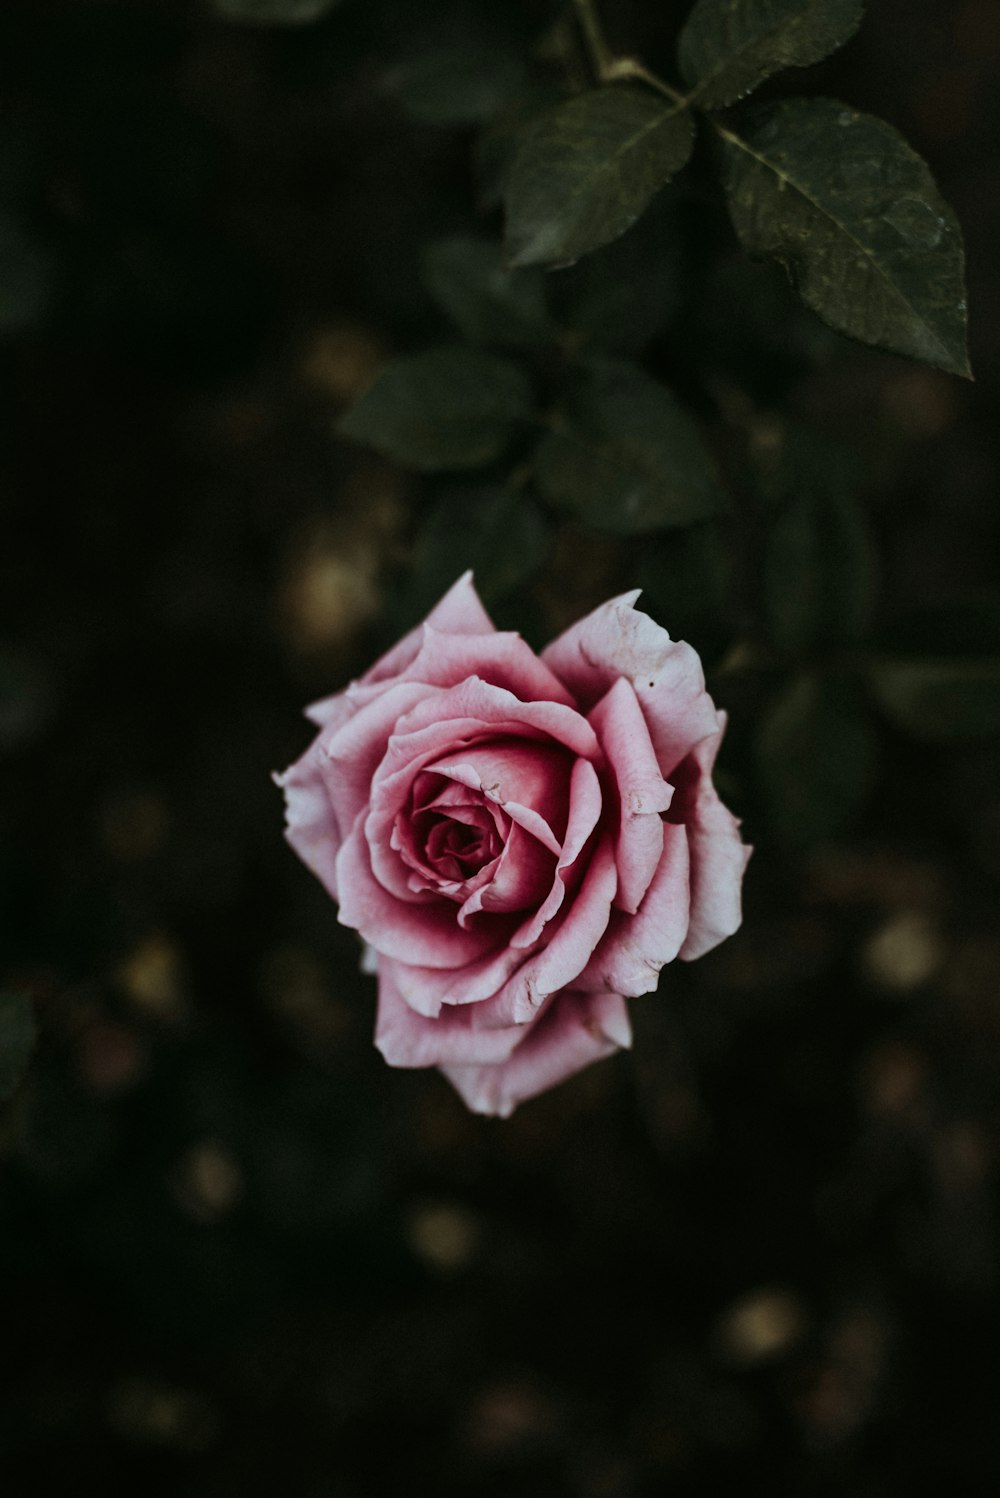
611, 69
631, 67
593, 34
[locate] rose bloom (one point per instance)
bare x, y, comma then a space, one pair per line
523, 842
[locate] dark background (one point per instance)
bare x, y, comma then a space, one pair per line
238, 1255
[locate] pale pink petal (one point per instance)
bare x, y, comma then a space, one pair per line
718, 854
504, 659
434, 793
515, 773
586, 805
574, 1031
391, 794
454, 1038
437, 862
564, 956
503, 983
477, 702
331, 712
328, 785
642, 791
470, 713
354, 750
473, 986
484, 981
634, 948
459, 612
522, 875
439, 804
493, 826
456, 888
467, 714
311, 825
499, 767
466, 773
424, 931
618, 640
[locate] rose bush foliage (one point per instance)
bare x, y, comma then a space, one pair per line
523, 842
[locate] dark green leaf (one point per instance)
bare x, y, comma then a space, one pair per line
457, 85
815, 755
585, 172
274, 12
623, 296
498, 143
17, 1040
469, 280
446, 408
25, 276
853, 214
498, 532
625, 457
728, 47
940, 700
819, 572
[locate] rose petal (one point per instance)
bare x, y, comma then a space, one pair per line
391, 794
618, 640
521, 777
405, 840
331, 712
479, 703
472, 712
718, 854
586, 805
505, 859
474, 985
575, 1030
454, 1038
458, 847
564, 956
435, 792
523, 874
311, 825
485, 982
327, 785
642, 791
353, 750
501, 658
460, 612
424, 931
524, 816
634, 948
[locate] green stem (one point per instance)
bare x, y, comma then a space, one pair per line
630, 67
593, 34
611, 69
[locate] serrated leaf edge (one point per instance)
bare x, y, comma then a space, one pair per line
698, 89
948, 363
519, 259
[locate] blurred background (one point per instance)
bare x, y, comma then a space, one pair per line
238, 1254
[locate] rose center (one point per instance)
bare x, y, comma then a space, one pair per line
457, 847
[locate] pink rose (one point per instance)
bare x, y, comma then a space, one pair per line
522, 842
